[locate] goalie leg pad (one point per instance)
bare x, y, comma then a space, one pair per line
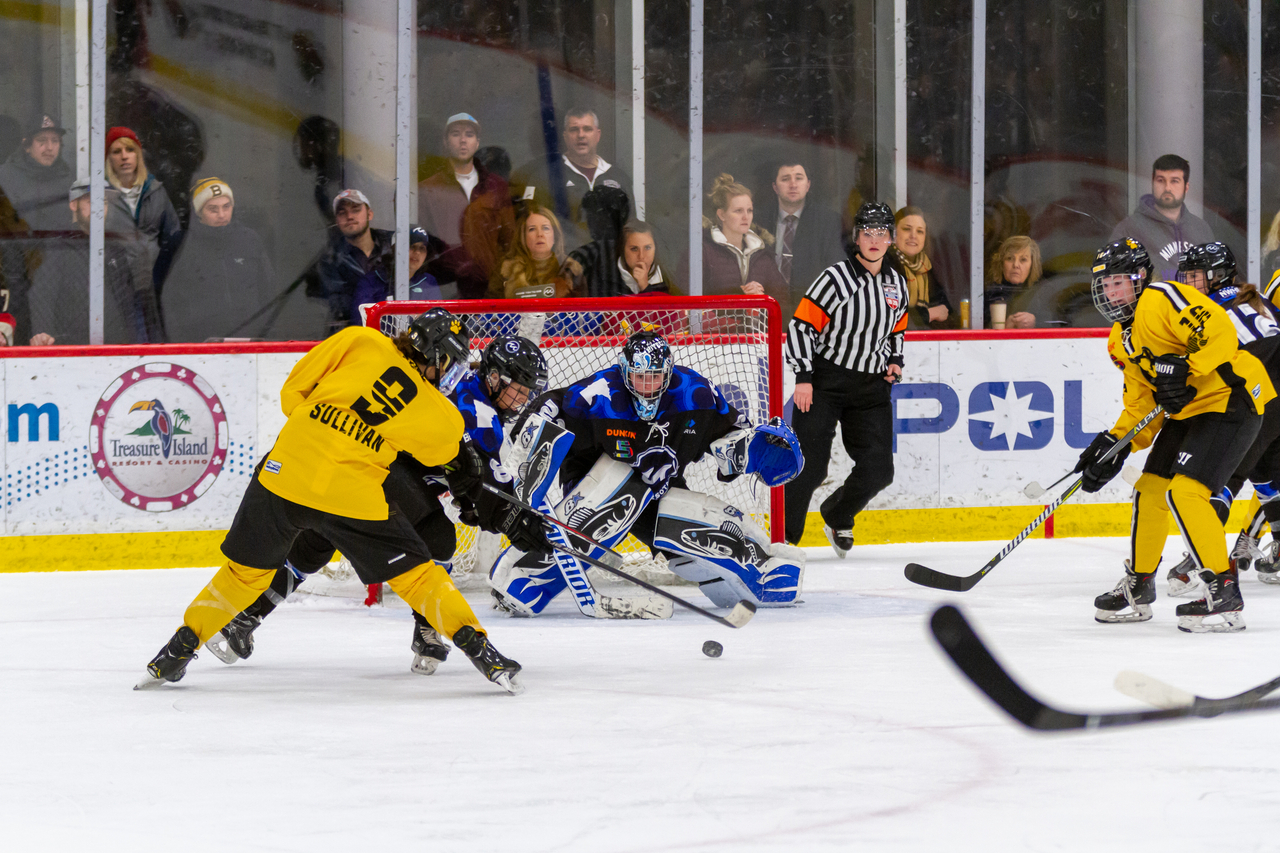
723, 550
526, 583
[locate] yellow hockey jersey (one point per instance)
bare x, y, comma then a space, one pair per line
353, 403
1179, 320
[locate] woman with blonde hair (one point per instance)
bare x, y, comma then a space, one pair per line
1015, 268
142, 198
927, 303
737, 256
532, 267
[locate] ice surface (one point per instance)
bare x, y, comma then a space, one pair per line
836, 725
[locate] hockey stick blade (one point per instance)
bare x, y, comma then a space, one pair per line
1155, 692
612, 557
740, 614
970, 655
1035, 492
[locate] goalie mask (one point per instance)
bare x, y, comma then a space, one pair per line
1214, 261
443, 341
517, 368
646, 364
1120, 272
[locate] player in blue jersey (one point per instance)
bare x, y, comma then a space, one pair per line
511, 369
1211, 269
632, 430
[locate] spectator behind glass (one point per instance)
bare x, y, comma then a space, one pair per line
143, 199
221, 277
1271, 250
35, 177
358, 249
376, 286
807, 236
1015, 270
625, 267
1161, 222
469, 208
560, 183
58, 303
532, 267
736, 257
928, 307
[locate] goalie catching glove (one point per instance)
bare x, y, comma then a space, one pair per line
1172, 390
771, 451
1097, 474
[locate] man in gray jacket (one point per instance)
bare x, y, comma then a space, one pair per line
1161, 222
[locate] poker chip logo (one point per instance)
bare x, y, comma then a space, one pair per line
158, 438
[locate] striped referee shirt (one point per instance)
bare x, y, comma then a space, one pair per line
850, 318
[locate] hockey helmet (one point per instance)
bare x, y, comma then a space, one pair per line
1215, 260
871, 216
443, 341
512, 360
647, 364
1114, 298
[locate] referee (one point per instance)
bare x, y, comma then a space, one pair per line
845, 346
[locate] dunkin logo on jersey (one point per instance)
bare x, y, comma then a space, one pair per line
158, 437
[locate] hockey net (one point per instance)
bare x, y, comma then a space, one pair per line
736, 342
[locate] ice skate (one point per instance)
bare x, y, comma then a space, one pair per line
236, 640
1268, 565
171, 663
492, 665
1183, 578
1222, 599
429, 650
1130, 601
841, 540
1245, 552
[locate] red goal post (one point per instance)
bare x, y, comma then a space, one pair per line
735, 341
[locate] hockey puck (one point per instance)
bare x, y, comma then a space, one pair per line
712, 649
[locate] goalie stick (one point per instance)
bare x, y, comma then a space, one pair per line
925, 576
1155, 692
957, 638
740, 614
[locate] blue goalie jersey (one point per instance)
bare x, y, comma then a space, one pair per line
599, 412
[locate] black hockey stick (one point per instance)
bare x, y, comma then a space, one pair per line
1155, 692
612, 557
956, 637
925, 576
740, 614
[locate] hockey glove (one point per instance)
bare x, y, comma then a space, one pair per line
465, 474
1172, 390
525, 529
656, 466
1097, 474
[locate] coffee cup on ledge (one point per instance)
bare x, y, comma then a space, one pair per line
998, 314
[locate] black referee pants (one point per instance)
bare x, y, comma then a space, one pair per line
860, 403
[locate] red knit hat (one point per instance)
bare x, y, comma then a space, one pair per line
117, 132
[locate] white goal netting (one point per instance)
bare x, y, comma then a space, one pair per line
734, 342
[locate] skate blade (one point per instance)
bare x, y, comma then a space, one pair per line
149, 683
1141, 613
1271, 577
221, 649
1231, 622
653, 607
1178, 588
509, 682
424, 665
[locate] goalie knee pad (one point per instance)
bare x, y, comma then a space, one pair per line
526, 582
725, 552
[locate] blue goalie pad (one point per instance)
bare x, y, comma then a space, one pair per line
774, 453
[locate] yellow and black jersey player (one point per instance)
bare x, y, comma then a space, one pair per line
1178, 349
353, 403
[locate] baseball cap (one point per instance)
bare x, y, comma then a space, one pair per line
79, 188
44, 122
457, 117
354, 196
418, 235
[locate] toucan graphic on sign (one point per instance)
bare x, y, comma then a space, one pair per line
161, 424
